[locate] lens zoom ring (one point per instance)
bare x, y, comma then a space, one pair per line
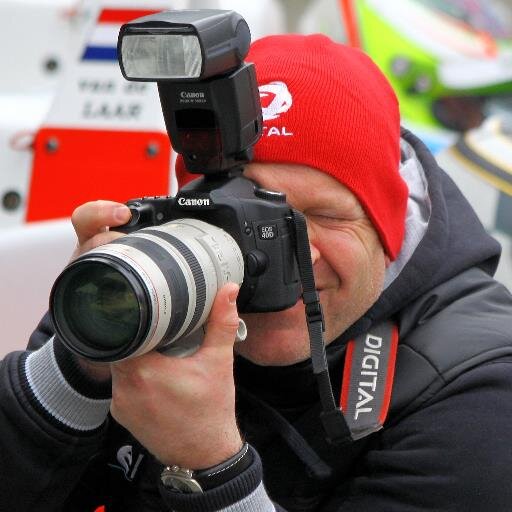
195, 268
172, 273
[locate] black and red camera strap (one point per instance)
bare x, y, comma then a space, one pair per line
369, 361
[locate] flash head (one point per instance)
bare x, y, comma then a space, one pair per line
183, 45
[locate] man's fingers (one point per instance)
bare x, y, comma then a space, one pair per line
102, 238
92, 218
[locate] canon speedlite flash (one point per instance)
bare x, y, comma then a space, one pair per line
181, 45
209, 95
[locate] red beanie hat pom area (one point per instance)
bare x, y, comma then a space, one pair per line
328, 106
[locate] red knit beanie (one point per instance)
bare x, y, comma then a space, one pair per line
327, 106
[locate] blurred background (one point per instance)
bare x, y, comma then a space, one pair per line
72, 129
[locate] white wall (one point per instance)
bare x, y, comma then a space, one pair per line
31, 257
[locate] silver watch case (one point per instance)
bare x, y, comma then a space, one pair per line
180, 480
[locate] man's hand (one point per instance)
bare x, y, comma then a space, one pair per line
180, 409
183, 409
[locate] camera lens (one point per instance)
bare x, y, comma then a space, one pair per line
99, 304
143, 291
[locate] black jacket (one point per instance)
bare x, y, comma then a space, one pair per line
444, 446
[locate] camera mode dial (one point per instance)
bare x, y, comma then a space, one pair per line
270, 195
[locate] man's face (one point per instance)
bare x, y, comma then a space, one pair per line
348, 263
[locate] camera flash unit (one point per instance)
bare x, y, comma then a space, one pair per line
183, 45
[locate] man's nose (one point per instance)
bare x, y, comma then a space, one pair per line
313, 248
315, 253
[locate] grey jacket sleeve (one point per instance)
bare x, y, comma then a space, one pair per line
53, 423
243, 493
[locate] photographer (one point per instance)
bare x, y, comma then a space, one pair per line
392, 240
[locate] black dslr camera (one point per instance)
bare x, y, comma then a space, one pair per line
156, 285
212, 112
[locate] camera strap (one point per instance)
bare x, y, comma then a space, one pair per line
369, 362
332, 418
368, 376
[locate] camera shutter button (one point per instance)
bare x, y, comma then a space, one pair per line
256, 262
270, 195
134, 218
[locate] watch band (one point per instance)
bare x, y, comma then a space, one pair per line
189, 481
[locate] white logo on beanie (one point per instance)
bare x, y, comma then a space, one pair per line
275, 99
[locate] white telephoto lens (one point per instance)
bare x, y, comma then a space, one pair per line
145, 290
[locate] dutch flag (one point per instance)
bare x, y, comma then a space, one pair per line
102, 43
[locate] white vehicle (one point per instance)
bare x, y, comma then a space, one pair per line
72, 129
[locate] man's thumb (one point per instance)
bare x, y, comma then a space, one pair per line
223, 322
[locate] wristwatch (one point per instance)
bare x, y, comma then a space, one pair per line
187, 481
180, 479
